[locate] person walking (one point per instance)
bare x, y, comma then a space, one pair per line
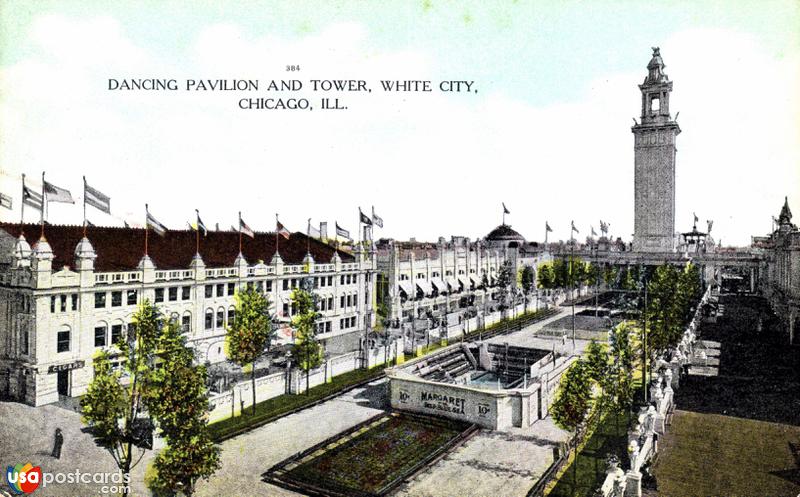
58, 442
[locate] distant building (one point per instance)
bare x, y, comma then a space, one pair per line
422, 283
654, 163
64, 297
780, 278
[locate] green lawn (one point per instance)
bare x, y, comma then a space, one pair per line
711, 454
372, 461
275, 407
588, 471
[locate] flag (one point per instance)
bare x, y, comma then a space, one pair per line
574, 228
5, 201
710, 223
603, 227
54, 193
201, 225
126, 224
695, 218
281, 230
31, 198
96, 198
89, 224
376, 218
547, 227
593, 232
312, 231
323, 229
153, 224
505, 209
342, 232
245, 229
364, 218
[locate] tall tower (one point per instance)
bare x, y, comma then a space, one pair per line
654, 164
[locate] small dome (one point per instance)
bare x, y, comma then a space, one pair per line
42, 250
84, 250
504, 233
22, 250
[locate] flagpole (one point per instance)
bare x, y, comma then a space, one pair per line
22, 210
84, 206
146, 231
572, 279
197, 233
277, 242
240, 232
44, 204
308, 237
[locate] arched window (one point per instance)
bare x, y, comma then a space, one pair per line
101, 334
116, 332
231, 315
186, 322
209, 319
63, 339
220, 318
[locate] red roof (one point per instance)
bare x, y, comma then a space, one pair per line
121, 249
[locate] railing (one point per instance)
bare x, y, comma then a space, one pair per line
109, 278
184, 274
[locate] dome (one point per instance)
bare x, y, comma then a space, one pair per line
504, 233
84, 250
22, 250
42, 250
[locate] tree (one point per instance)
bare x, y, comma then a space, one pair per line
113, 410
573, 399
663, 309
527, 279
179, 402
504, 280
619, 377
547, 276
250, 333
307, 352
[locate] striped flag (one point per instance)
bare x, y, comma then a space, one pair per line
245, 229
31, 198
55, 193
281, 230
96, 198
5, 201
154, 225
342, 232
376, 218
200, 224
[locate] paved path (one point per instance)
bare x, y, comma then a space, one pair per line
246, 457
26, 435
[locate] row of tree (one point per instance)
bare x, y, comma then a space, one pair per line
160, 383
567, 273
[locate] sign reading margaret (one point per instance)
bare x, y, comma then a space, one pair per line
442, 402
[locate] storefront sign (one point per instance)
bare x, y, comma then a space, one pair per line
66, 367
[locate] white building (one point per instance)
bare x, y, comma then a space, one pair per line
65, 296
421, 283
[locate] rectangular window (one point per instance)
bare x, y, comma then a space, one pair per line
269, 286
341, 302
220, 318
100, 336
62, 341
132, 297
341, 280
52, 303
330, 303
231, 288
186, 323
173, 293
116, 334
260, 286
328, 327
23, 342
285, 309
63, 299
99, 300
209, 291
285, 284
116, 299
330, 280
221, 290
74, 301
294, 282
186, 293
159, 295
231, 317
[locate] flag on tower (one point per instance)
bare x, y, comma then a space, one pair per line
695, 218
342, 232
376, 218
593, 232
55, 193
574, 228
505, 209
547, 227
603, 227
364, 218
5, 201
154, 225
281, 230
245, 229
312, 230
200, 225
31, 198
96, 198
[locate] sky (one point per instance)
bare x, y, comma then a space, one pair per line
546, 129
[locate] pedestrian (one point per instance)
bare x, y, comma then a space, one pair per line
58, 442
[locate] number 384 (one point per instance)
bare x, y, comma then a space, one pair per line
292, 67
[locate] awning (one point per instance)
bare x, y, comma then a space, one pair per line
464, 281
406, 287
454, 285
439, 284
425, 286
475, 280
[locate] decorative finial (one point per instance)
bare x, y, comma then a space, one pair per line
656, 51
